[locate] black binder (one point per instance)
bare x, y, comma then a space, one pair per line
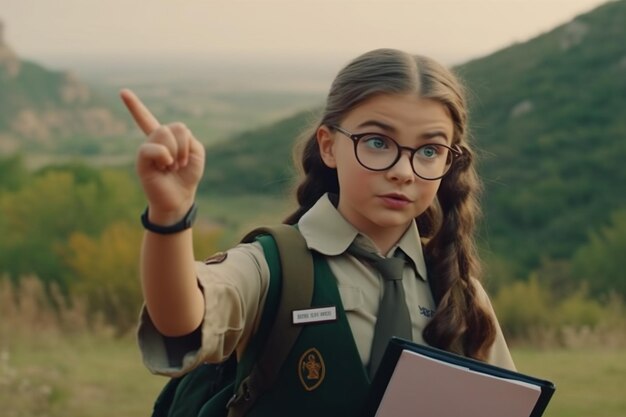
397, 346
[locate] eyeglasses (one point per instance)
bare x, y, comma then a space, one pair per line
378, 152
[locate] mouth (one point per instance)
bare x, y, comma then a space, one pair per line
397, 197
395, 201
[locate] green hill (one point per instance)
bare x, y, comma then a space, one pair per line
255, 162
549, 117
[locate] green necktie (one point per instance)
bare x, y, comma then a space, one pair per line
393, 317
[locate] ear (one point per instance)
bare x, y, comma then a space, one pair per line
326, 142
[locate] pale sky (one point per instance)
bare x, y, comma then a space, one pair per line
452, 31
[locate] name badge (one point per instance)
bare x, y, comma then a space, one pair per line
314, 315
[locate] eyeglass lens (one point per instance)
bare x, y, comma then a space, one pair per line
379, 153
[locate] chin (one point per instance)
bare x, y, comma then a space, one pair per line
392, 221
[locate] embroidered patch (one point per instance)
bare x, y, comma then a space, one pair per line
426, 312
311, 369
217, 258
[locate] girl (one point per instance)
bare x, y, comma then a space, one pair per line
388, 167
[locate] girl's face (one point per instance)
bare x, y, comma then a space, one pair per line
381, 204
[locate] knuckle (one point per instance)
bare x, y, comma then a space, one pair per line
160, 133
178, 128
144, 151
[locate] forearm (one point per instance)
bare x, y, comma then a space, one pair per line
170, 164
171, 293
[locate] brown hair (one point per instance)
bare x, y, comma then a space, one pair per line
461, 323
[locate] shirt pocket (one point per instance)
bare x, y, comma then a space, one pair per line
351, 298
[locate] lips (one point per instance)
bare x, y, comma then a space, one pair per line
395, 201
397, 196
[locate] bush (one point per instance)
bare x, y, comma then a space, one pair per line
107, 271
523, 307
529, 313
600, 261
578, 310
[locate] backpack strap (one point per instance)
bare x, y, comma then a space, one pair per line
296, 292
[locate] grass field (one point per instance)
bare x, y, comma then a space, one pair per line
590, 382
103, 376
77, 377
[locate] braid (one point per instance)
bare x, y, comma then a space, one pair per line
317, 179
460, 323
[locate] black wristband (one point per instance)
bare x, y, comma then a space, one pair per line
184, 224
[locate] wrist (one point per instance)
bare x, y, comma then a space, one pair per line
157, 215
168, 223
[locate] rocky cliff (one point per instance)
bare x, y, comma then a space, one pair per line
38, 105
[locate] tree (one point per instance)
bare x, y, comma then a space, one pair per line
37, 219
108, 271
601, 261
13, 173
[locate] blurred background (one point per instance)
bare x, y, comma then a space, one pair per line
547, 82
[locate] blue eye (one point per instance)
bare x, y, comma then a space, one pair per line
429, 151
376, 142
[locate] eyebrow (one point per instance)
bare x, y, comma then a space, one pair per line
392, 130
435, 134
379, 124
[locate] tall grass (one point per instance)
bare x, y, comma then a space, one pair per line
54, 362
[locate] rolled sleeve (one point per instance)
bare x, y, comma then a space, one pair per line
234, 291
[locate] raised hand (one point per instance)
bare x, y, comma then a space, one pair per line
170, 163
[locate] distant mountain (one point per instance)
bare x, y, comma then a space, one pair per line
549, 117
37, 105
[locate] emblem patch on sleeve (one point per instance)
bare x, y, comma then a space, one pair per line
311, 369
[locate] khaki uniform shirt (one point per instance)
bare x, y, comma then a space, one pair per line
235, 289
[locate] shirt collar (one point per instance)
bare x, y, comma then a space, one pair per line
329, 233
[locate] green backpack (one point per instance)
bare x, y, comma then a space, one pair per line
231, 388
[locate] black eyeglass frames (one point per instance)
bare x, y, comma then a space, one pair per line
379, 152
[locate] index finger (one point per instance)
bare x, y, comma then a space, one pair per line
142, 116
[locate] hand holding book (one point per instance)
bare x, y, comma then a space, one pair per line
420, 380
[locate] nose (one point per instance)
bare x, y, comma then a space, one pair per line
402, 170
